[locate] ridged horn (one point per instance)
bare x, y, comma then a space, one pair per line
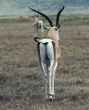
48, 19
58, 15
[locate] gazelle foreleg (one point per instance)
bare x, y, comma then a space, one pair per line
35, 30
46, 88
42, 28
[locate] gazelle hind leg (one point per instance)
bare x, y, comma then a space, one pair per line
43, 66
50, 80
50, 54
50, 98
42, 29
42, 58
53, 77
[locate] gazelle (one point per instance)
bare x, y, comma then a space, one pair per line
48, 53
38, 24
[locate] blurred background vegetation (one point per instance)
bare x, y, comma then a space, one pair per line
65, 20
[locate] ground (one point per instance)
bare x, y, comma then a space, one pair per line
21, 79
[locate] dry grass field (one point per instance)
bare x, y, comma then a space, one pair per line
21, 80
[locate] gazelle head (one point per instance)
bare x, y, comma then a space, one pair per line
36, 17
53, 31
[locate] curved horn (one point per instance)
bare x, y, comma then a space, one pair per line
58, 14
49, 20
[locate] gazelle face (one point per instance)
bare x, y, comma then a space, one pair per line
36, 19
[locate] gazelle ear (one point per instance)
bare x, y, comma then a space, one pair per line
58, 27
46, 28
37, 15
34, 14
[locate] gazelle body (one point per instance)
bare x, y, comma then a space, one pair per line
48, 53
38, 24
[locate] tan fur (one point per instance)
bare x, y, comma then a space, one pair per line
52, 39
52, 34
36, 21
36, 26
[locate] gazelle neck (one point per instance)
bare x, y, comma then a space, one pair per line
36, 19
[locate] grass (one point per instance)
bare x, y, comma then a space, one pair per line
14, 20
21, 80
66, 20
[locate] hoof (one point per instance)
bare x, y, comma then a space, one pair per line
53, 96
51, 100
